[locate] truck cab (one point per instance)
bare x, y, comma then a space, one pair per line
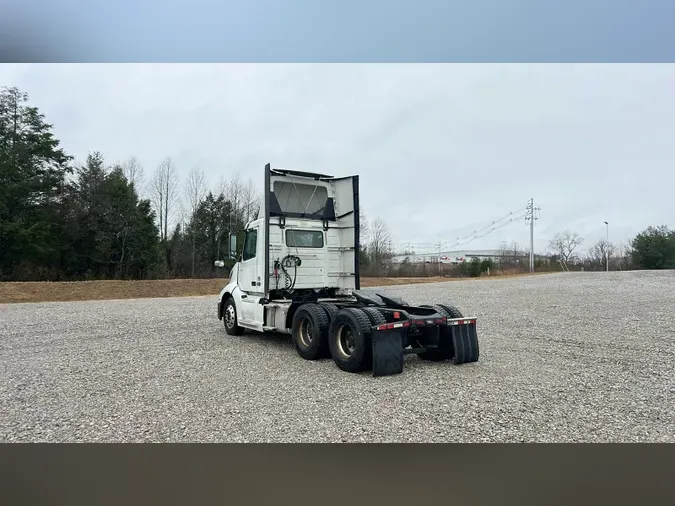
304, 245
297, 272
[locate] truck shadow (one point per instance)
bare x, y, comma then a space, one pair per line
272, 338
284, 342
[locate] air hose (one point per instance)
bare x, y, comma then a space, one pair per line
286, 263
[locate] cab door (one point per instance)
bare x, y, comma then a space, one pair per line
250, 266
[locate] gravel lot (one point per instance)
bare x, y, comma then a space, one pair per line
566, 357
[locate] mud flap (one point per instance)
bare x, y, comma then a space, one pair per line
464, 343
387, 352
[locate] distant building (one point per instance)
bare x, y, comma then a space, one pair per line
452, 257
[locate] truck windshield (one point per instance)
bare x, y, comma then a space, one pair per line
298, 198
304, 238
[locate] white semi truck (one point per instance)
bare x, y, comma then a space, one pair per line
297, 272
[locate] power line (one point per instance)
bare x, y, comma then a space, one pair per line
528, 211
476, 234
509, 217
493, 229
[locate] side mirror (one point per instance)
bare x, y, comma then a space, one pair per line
219, 263
233, 246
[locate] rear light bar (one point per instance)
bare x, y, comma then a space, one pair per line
430, 321
461, 321
395, 325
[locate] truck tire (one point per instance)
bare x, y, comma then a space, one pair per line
374, 315
445, 310
451, 311
230, 318
331, 309
349, 340
468, 348
310, 332
448, 312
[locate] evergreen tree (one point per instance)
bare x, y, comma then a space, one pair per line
33, 171
113, 234
654, 248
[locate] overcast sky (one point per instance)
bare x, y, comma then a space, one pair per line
441, 149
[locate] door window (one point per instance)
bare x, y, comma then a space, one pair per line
250, 244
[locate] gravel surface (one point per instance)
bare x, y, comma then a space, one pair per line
564, 357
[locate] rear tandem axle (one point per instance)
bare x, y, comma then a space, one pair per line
377, 335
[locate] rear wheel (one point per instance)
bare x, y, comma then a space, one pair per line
230, 318
466, 349
350, 340
450, 311
437, 355
445, 310
374, 315
310, 332
331, 309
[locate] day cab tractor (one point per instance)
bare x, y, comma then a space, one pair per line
297, 272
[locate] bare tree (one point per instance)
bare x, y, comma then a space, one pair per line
157, 191
134, 173
195, 189
183, 214
565, 243
364, 230
195, 192
516, 252
599, 252
504, 254
503, 250
380, 246
623, 257
244, 199
250, 201
232, 190
164, 188
171, 192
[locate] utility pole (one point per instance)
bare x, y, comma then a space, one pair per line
531, 217
607, 246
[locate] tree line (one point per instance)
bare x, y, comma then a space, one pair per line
652, 248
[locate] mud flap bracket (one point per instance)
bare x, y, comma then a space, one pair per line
387, 352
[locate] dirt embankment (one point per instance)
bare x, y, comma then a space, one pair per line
105, 290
